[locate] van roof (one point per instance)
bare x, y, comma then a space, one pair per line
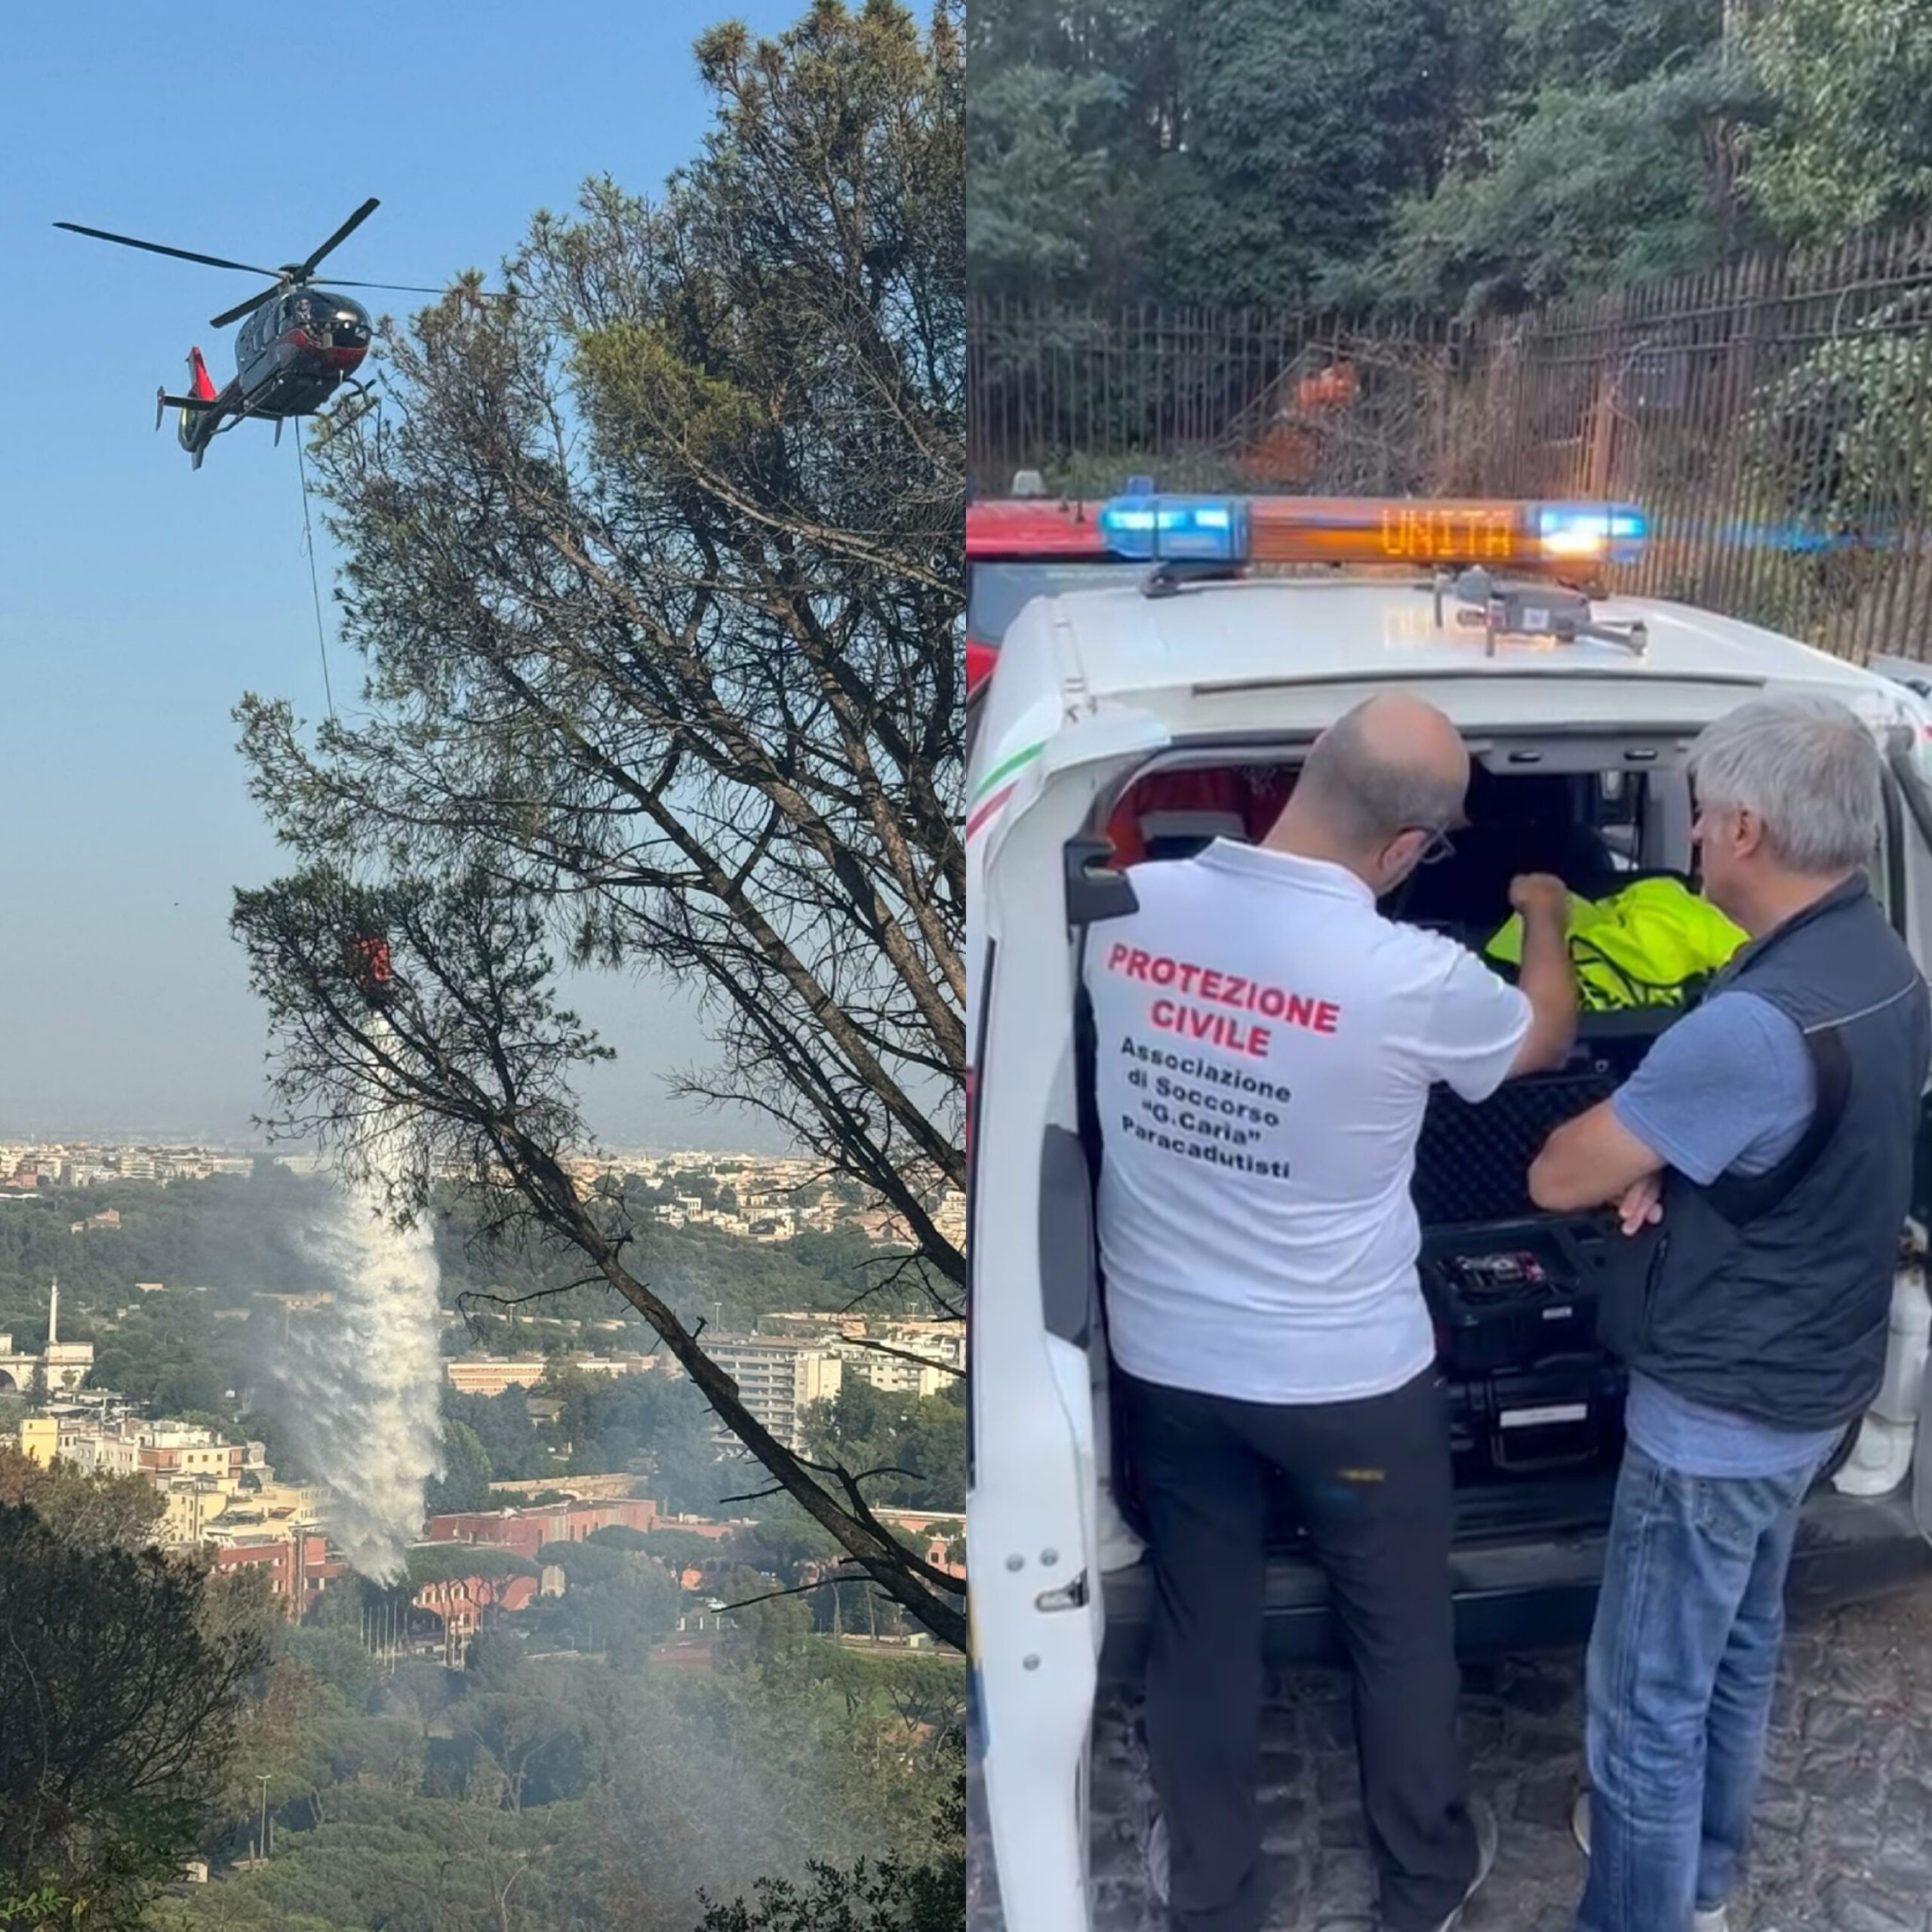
1323, 629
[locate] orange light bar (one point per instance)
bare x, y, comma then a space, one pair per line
1341, 530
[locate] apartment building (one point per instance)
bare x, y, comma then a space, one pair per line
778, 1379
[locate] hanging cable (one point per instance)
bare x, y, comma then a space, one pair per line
315, 585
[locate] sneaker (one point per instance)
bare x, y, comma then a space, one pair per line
1704, 1919
1484, 1819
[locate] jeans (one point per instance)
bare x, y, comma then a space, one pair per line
1683, 1661
1372, 1482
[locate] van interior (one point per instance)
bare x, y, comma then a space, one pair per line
1537, 1403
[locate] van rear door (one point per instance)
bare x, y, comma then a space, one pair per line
1911, 760
1038, 1618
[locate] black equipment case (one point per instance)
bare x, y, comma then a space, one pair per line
1514, 1292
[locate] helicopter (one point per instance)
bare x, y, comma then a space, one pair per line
298, 346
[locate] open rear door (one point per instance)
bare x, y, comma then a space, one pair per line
1910, 757
1032, 1507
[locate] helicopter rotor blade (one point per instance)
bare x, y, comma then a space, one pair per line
417, 288
247, 308
341, 234
156, 248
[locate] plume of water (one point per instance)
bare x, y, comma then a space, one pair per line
361, 1394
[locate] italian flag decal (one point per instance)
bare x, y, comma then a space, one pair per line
997, 787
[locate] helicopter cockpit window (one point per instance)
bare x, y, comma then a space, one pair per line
336, 320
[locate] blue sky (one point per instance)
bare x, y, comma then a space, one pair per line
138, 600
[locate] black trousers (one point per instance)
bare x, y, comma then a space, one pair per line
1372, 1480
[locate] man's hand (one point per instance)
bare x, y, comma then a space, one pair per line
1641, 1205
1540, 895
1546, 979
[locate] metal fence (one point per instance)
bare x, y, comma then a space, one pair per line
1773, 418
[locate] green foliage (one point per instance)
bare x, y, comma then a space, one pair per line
44, 1909
1841, 434
681, 1549
617, 1602
1305, 126
766, 1624
780, 1545
1588, 188
333, 1659
1453, 156
464, 1482
533, 1795
120, 1691
445, 1562
890, 1897
1848, 143
918, 1441
621, 1536
1036, 189
87, 1513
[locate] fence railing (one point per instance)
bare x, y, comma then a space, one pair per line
1773, 418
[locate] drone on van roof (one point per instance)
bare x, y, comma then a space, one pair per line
300, 344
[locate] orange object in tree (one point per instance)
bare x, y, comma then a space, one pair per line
369, 965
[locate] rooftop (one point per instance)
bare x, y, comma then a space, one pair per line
1279, 631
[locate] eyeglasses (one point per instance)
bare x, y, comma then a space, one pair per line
1441, 841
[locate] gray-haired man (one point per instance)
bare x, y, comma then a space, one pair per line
1762, 1157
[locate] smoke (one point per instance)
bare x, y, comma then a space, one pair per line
361, 1394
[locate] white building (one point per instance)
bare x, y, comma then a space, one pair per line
777, 1380
66, 1365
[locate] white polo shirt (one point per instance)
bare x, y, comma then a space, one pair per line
1266, 1043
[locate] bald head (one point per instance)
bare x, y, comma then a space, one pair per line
1392, 765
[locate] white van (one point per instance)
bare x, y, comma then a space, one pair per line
1174, 708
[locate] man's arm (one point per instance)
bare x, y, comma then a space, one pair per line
1547, 980
1590, 1161
1730, 1082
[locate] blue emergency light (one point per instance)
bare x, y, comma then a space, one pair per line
1614, 532
1181, 529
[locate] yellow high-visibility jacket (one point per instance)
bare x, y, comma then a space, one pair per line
1654, 943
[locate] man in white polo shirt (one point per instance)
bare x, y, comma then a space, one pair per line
1265, 1045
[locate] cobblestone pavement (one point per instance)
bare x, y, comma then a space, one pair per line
1845, 1823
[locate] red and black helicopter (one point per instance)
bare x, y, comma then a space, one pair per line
300, 344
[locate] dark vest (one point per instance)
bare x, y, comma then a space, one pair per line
1769, 1296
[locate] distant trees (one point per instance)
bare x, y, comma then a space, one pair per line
680, 1549
1439, 157
918, 1441
657, 571
464, 1482
617, 1601
894, 1894
527, 1793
